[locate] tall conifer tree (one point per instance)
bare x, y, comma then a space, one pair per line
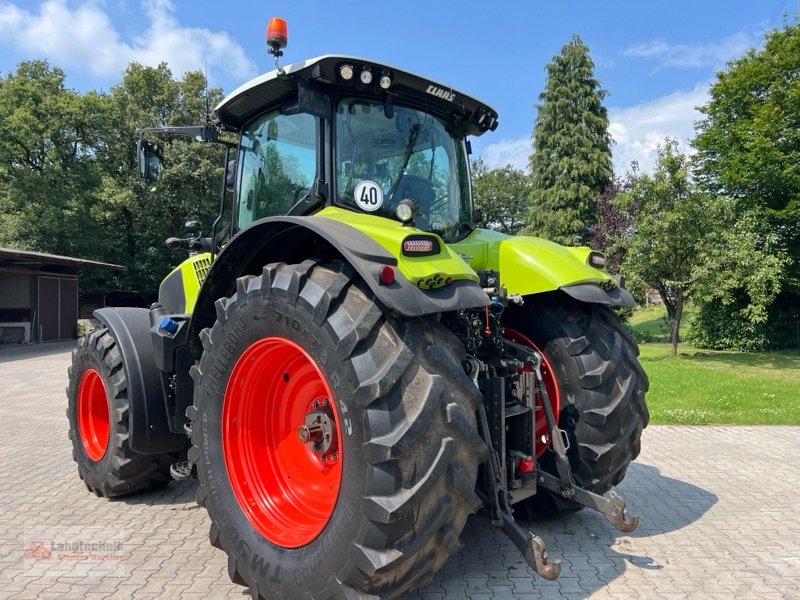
571, 160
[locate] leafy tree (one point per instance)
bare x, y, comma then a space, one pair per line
501, 195
749, 141
690, 245
613, 225
143, 218
68, 175
571, 160
49, 180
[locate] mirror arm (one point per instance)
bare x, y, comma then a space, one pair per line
201, 133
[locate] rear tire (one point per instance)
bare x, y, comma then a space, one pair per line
601, 387
408, 452
98, 411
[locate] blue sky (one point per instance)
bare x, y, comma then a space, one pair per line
656, 59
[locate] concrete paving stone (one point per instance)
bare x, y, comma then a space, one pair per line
525, 586
502, 591
477, 585
437, 595
454, 592
714, 522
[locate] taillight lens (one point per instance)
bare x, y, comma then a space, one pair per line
420, 245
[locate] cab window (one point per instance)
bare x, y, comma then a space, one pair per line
278, 165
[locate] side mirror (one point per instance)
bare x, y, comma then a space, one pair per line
151, 164
192, 227
230, 175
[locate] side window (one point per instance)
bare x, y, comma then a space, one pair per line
278, 165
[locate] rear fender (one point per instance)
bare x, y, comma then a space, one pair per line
295, 239
530, 265
147, 418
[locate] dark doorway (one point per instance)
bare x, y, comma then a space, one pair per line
58, 308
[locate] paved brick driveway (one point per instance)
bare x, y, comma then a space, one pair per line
720, 518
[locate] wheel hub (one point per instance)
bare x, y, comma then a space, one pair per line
319, 431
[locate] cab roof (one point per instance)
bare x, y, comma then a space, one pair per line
254, 97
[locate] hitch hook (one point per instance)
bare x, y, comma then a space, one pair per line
532, 548
617, 517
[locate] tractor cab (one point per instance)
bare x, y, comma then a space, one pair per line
347, 132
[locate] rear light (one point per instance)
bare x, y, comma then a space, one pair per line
386, 275
420, 245
526, 465
597, 260
417, 246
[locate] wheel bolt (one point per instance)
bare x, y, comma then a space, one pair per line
311, 434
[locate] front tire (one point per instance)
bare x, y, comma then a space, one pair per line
382, 513
592, 366
98, 410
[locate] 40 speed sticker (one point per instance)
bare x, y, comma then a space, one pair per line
368, 196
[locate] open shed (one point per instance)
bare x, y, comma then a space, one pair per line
39, 295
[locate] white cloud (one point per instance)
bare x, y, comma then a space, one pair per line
514, 152
84, 37
638, 130
712, 54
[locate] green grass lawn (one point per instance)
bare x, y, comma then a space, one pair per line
703, 387
650, 324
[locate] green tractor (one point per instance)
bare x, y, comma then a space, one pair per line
349, 366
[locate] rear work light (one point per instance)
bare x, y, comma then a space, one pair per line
420, 245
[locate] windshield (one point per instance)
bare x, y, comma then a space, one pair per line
277, 159
385, 154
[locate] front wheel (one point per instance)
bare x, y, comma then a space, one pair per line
592, 374
336, 445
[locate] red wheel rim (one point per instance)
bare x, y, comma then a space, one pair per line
287, 488
94, 416
550, 384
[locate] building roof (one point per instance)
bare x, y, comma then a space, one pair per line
30, 260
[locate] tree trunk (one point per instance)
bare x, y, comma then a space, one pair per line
673, 301
675, 333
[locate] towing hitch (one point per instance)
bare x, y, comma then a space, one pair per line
613, 508
531, 546
497, 495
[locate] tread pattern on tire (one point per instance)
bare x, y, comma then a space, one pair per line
125, 471
609, 400
411, 390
